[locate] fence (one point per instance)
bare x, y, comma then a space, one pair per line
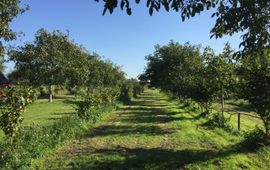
246, 114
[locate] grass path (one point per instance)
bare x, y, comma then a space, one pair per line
155, 133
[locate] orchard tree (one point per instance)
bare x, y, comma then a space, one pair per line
203, 87
44, 62
225, 68
256, 84
9, 9
75, 65
221, 71
12, 106
171, 66
232, 16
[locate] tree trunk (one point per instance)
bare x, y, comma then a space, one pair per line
222, 105
267, 129
50, 94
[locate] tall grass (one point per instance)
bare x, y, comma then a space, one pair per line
35, 141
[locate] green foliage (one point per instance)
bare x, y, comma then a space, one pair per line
237, 102
254, 140
156, 134
186, 73
9, 10
2, 60
54, 60
216, 120
130, 89
46, 61
248, 16
94, 99
255, 81
137, 88
182, 71
13, 105
34, 141
126, 93
216, 80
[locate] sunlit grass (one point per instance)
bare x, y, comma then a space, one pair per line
157, 133
43, 113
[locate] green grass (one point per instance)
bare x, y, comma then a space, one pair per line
43, 113
231, 109
156, 133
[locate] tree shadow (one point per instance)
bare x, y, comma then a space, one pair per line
120, 157
152, 98
147, 104
124, 130
142, 109
153, 158
70, 101
63, 113
199, 116
151, 119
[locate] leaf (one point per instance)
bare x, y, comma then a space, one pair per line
151, 10
129, 12
183, 17
104, 11
122, 4
148, 3
166, 5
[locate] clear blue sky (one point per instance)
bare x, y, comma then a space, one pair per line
125, 40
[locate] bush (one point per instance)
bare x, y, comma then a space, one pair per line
126, 93
13, 105
34, 142
130, 89
255, 139
217, 120
95, 99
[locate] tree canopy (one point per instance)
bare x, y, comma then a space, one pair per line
232, 16
9, 9
54, 59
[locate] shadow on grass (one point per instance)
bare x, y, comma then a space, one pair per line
235, 108
153, 158
123, 130
144, 111
119, 157
63, 113
194, 117
71, 101
150, 117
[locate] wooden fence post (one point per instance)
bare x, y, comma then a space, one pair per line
239, 120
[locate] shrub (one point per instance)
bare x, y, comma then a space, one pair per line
254, 139
35, 141
217, 120
126, 93
130, 89
12, 106
95, 99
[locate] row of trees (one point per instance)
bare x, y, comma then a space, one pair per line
52, 59
206, 77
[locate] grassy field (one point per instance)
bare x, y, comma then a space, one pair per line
44, 113
157, 133
232, 108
